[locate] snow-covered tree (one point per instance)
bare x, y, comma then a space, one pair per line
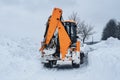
110, 30
118, 31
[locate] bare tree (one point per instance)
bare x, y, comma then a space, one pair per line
83, 29
87, 30
74, 16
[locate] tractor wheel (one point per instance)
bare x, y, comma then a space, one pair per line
49, 64
82, 55
75, 65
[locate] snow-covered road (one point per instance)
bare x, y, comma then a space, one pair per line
20, 60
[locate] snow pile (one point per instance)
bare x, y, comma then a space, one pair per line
20, 60
104, 61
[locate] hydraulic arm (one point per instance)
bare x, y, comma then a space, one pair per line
53, 24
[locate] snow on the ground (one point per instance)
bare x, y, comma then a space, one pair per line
104, 61
20, 60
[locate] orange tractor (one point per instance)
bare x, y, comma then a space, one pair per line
61, 44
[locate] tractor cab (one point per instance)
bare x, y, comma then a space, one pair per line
71, 28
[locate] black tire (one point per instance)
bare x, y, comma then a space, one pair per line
49, 64
82, 55
74, 65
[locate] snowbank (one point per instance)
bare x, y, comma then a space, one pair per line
104, 61
18, 58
